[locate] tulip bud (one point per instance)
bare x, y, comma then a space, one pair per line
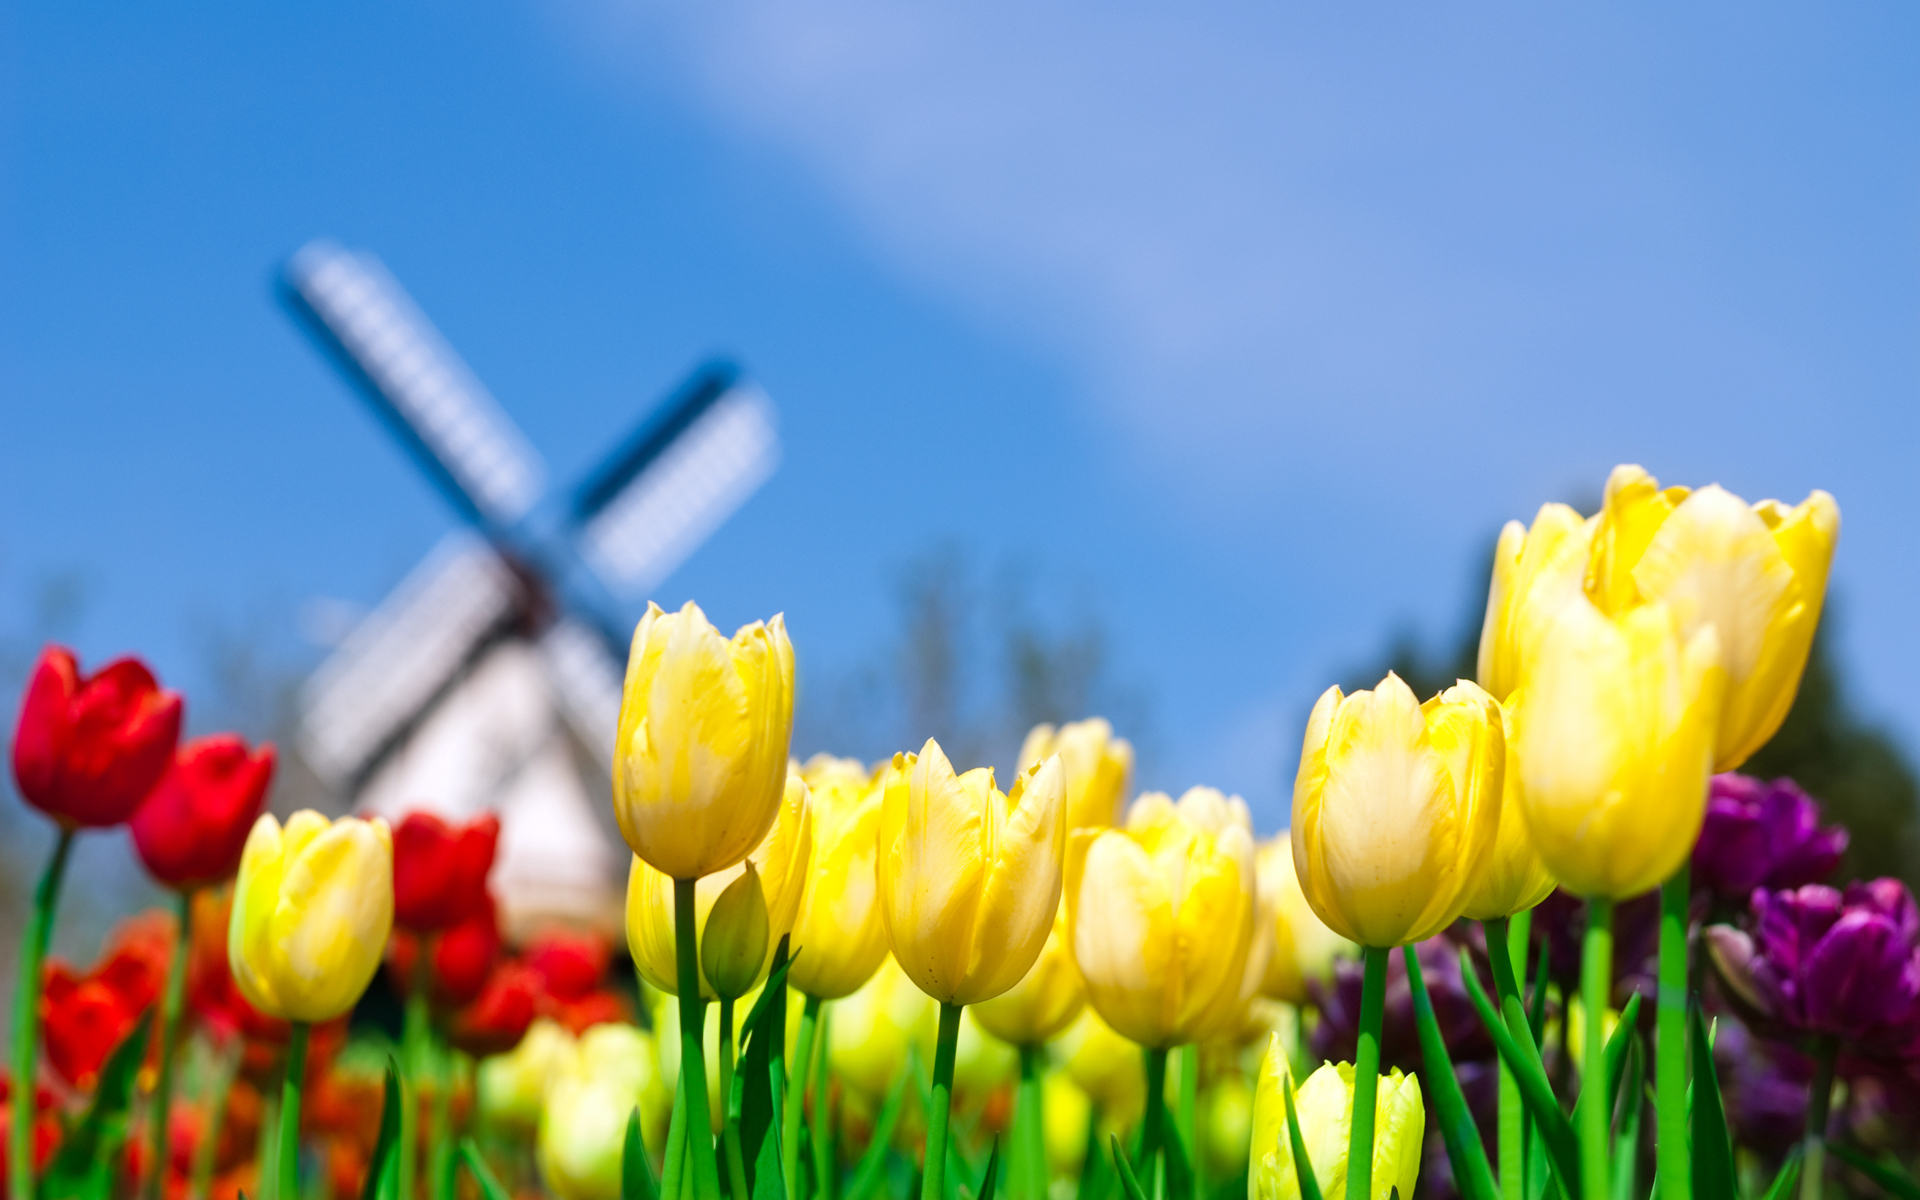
1162, 915
440, 869
1304, 949
840, 938
1614, 740
1045, 1001
1323, 1105
583, 1122
1396, 808
311, 912
701, 756
733, 945
780, 865
191, 829
1513, 879
969, 878
500, 1015
1098, 768
87, 751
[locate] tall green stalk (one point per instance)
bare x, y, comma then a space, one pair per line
933, 1178
1153, 1128
795, 1098
440, 1140
413, 1066
1813, 1163
821, 1127
1366, 1075
1672, 1159
1513, 1113
227, 1065
729, 1131
1029, 1128
693, 1063
287, 1151
26, 1015
1189, 1113
170, 1007
674, 1168
1595, 1106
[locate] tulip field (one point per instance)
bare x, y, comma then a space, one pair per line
1532, 938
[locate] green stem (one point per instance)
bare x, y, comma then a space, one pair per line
729, 1131
1813, 1163
693, 1063
934, 1177
821, 1126
170, 1007
1029, 1128
1190, 1109
1513, 1113
208, 1149
1153, 1126
790, 1117
1672, 1158
1366, 1075
26, 1015
1594, 1108
675, 1165
287, 1168
266, 1154
413, 1053
440, 1122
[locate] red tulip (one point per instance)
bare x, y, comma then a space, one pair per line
193, 826
86, 1017
440, 870
498, 1018
88, 751
569, 965
459, 963
46, 1124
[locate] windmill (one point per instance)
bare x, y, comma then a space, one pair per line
489, 679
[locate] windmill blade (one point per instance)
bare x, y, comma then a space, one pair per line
416, 380
390, 669
676, 482
589, 680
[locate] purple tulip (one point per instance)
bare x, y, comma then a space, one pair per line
1825, 964
1760, 834
1337, 1032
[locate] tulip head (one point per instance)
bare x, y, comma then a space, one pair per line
311, 912
1756, 573
1304, 949
1534, 571
512, 1086
840, 938
969, 877
780, 865
440, 870
1396, 808
1098, 767
1324, 1107
583, 1119
873, 1030
734, 943
1614, 743
1104, 1065
500, 1015
87, 750
1513, 879
1045, 1001
1760, 834
701, 757
1162, 915
192, 827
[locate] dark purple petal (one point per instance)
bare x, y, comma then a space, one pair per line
1854, 976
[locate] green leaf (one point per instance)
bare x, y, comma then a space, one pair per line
1127, 1180
88, 1162
1523, 1059
1180, 1182
1626, 1146
767, 1181
636, 1169
1713, 1176
870, 1174
1537, 1011
1888, 1175
1302, 1165
1789, 1174
1471, 1172
1617, 1049
1095, 1181
377, 1183
765, 1034
992, 1177
490, 1188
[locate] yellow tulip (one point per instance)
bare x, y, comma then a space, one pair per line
781, 862
1323, 1106
1098, 767
1534, 571
1396, 808
1303, 947
701, 755
583, 1124
1756, 573
1106, 1066
870, 1031
1064, 1112
1514, 878
1162, 916
969, 878
982, 1064
840, 938
512, 1087
1226, 1125
1045, 1001
1614, 744
311, 912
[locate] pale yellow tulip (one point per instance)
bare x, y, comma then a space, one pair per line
1304, 949
840, 937
870, 1032
583, 1122
1534, 571
1098, 766
1045, 1001
1514, 878
1323, 1106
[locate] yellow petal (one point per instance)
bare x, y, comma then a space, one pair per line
1633, 512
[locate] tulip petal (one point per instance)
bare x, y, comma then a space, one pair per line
1021, 890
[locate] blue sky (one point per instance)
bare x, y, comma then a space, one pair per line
1251, 322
